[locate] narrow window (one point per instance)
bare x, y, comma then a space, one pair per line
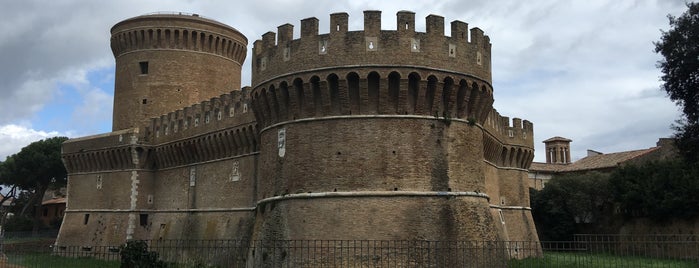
143, 220
86, 218
144, 101
144, 67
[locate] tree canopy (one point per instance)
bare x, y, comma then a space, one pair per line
657, 190
568, 203
598, 202
679, 47
39, 163
35, 169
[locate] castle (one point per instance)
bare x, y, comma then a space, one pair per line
350, 135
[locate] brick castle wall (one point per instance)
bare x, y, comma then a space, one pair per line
382, 134
164, 62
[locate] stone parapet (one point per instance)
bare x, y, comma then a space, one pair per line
465, 51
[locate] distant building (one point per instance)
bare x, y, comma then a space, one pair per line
53, 206
558, 160
52, 210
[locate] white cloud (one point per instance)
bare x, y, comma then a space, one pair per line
14, 137
580, 69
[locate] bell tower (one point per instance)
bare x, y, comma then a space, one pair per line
558, 150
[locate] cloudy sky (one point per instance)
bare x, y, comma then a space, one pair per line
584, 70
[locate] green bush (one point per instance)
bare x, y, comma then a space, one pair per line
135, 254
657, 190
569, 203
18, 224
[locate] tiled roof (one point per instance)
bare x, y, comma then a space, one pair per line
59, 200
7, 202
538, 166
558, 138
600, 161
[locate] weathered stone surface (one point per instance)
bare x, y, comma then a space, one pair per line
357, 135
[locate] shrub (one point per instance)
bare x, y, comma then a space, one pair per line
135, 254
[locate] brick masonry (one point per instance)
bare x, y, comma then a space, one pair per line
374, 134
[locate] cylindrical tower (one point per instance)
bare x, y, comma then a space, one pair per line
373, 134
168, 61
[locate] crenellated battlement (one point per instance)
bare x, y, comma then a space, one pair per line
508, 143
225, 111
466, 51
181, 32
515, 131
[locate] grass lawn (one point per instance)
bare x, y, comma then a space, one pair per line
52, 261
570, 259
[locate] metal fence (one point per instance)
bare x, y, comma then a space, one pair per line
676, 246
583, 252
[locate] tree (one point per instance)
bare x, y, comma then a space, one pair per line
658, 190
680, 67
569, 203
35, 169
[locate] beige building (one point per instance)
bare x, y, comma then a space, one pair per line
558, 159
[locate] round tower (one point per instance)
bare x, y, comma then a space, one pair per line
168, 61
373, 134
